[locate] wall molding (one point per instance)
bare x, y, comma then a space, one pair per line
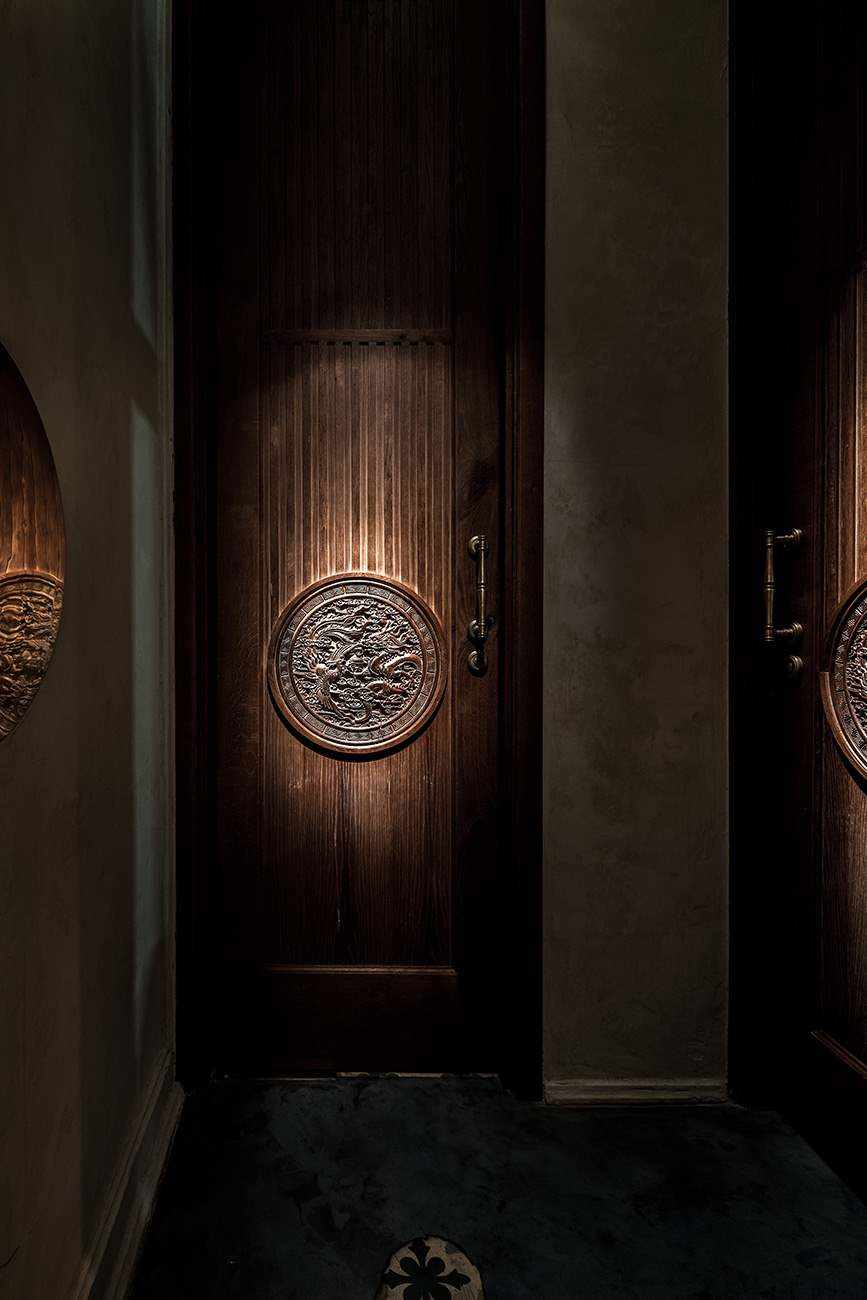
107, 1267
595, 1092
166, 381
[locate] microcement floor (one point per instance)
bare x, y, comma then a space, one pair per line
329, 1190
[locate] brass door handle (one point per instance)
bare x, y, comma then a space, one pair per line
479, 548
792, 632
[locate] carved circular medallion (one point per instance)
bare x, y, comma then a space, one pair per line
30, 605
844, 677
357, 663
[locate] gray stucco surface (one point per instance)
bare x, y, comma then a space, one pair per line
635, 541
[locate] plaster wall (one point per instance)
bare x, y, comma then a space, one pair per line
635, 547
86, 1030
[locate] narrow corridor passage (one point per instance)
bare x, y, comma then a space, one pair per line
302, 1191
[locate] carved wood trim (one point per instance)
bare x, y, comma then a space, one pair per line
286, 338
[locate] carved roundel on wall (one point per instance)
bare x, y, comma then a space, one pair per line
30, 606
357, 663
844, 677
32, 548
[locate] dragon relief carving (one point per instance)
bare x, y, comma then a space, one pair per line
358, 663
30, 606
357, 660
856, 677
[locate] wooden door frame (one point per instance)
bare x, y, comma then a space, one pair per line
746, 1064
523, 365
761, 1025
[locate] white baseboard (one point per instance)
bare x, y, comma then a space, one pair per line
595, 1092
107, 1268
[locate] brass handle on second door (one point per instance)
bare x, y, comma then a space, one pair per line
479, 548
792, 632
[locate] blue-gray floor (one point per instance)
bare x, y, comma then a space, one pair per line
305, 1189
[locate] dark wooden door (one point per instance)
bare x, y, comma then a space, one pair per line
360, 283
800, 362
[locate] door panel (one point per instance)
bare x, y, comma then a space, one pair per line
841, 1016
800, 809
360, 289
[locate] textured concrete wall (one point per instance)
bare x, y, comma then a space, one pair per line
635, 544
85, 1010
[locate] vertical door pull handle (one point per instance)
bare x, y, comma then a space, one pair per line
792, 632
479, 548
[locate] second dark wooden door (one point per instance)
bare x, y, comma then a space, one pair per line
359, 286
800, 832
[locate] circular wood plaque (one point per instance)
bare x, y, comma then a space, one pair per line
844, 677
357, 663
32, 548
30, 606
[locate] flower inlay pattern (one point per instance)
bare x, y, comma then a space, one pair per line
430, 1268
30, 605
357, 663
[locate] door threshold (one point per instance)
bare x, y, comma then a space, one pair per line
325, 1076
